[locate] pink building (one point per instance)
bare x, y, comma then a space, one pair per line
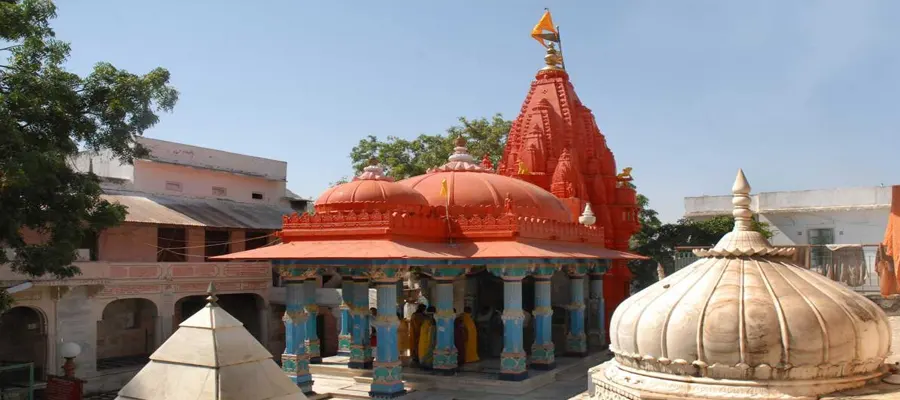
185, 204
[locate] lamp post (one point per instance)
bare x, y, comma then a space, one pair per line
69, 351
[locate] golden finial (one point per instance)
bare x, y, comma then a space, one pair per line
553, 59
212, 298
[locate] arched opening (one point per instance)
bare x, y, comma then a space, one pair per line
243, 306
126, 334
23, 339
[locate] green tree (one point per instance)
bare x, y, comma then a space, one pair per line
47, 115
659, 241
404, 158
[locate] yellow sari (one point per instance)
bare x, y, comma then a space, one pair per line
426, 343
471, 338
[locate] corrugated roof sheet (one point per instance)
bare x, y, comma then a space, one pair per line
170, 210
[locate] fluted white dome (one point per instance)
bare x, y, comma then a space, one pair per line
745, 313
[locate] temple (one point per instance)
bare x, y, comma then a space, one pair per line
530, 243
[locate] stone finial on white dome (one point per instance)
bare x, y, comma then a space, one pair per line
741, 201
743, 240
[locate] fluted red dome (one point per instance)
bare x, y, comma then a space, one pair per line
471, 185
371, 190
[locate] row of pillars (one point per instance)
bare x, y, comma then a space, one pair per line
303, 346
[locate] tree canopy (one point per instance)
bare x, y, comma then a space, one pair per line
404, 158
47, 116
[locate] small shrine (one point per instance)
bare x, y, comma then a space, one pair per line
744, 322
211, 356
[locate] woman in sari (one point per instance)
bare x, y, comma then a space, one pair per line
426, 340
471, 347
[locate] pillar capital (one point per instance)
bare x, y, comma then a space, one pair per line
444, 272
385, 274
576, 271
297, 272
514, 272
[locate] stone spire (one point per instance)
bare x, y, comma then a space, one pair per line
552, 118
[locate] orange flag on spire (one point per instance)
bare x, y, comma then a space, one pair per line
545, 30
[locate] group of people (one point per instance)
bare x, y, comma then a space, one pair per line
423, 336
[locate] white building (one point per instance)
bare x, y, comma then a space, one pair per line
810, 217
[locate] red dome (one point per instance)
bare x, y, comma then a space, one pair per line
371, 190
471, 185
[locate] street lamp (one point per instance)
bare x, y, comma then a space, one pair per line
69, 351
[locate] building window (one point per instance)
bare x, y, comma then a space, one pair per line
216, 243
173, 186
257, 196
256, 239
171, 245
90, 242
819, 255
219, 191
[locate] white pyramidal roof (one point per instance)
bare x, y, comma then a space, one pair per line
211, 357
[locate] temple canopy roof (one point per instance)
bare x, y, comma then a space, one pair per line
211, 356
471, 186
370, 190
745, 313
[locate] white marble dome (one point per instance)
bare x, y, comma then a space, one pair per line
745, 319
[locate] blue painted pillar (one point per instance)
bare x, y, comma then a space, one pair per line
576, 339
543, 353
313, 345
295, 360
445, 353
387, 374
513, 359
598, 326
345, 336
360, 347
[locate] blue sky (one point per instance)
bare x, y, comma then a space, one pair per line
801, 94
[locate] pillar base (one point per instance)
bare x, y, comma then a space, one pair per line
387, 380
445, 361
315, 360
514, 377
513, 366
543, 367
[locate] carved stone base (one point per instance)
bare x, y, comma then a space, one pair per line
543, 356
610, 381
296, 367
512, 366
358, 357
445, 361
387, 380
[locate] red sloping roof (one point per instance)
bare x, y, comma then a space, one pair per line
388, 249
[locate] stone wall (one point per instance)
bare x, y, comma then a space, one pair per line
77, 323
